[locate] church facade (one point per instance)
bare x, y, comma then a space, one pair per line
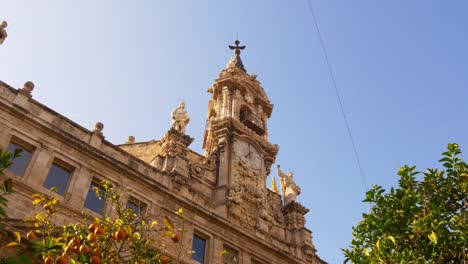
222, 191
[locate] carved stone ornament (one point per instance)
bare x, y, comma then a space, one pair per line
131, 140
248, 198
180, 118
197, 170
3, 33
98, 128
27, 88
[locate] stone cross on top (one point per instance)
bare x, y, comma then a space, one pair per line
237, 49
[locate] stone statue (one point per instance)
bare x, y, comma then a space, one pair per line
3, 33
289, 188
180, 118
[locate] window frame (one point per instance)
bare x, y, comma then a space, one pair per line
239, 252
24, 145
142, 205
206, 255
96, 181
66, 166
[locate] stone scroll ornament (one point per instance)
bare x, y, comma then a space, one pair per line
289, 189
180, 118
3, 33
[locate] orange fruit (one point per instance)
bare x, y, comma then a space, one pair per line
99, 231
92, 227
61, 260
119, 235
96, 252
175, 238
91, 237
165, 260
95, 260
30, 235
68, 249
84, 249
48, 260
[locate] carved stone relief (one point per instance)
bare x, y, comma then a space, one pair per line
248, 198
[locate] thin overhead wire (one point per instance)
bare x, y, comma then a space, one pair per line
338, 96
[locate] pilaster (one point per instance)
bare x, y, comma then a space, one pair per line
174, 149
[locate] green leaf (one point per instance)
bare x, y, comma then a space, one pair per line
391, 238
433, 237
11, 244
8, 185
17, 236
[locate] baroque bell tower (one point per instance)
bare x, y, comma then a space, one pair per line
237, 135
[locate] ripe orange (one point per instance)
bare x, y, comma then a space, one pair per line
91, 237
61, 260
175, 238
84, 249
99, 231
48, 260
119, 235
92, 227
30, 235
96, 252
95, 260
68, 249
165, 260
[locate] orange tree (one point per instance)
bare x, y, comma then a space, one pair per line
6, 160
420, 221
123, 237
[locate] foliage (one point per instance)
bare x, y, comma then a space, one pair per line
124, 237
423, 221
6, 160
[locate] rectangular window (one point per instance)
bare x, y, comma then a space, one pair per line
92, 201
20, 163
58, 177
254, 261
136, 206
231, 256
199, 248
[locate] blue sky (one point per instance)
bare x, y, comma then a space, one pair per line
400, 67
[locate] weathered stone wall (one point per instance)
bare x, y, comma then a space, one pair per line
54, 137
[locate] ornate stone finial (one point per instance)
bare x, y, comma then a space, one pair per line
273, 187
289, 189
236, 59
27, 88
131, 140
3, 33
98, 128
180, 118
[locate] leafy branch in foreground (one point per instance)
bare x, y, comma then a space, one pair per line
420, 221
124, 237
6, 160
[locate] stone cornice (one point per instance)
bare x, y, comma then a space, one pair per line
114, 157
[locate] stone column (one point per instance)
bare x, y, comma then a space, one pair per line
82, 180
226, 111
236, 102
40, 167
297, 235
219, 106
